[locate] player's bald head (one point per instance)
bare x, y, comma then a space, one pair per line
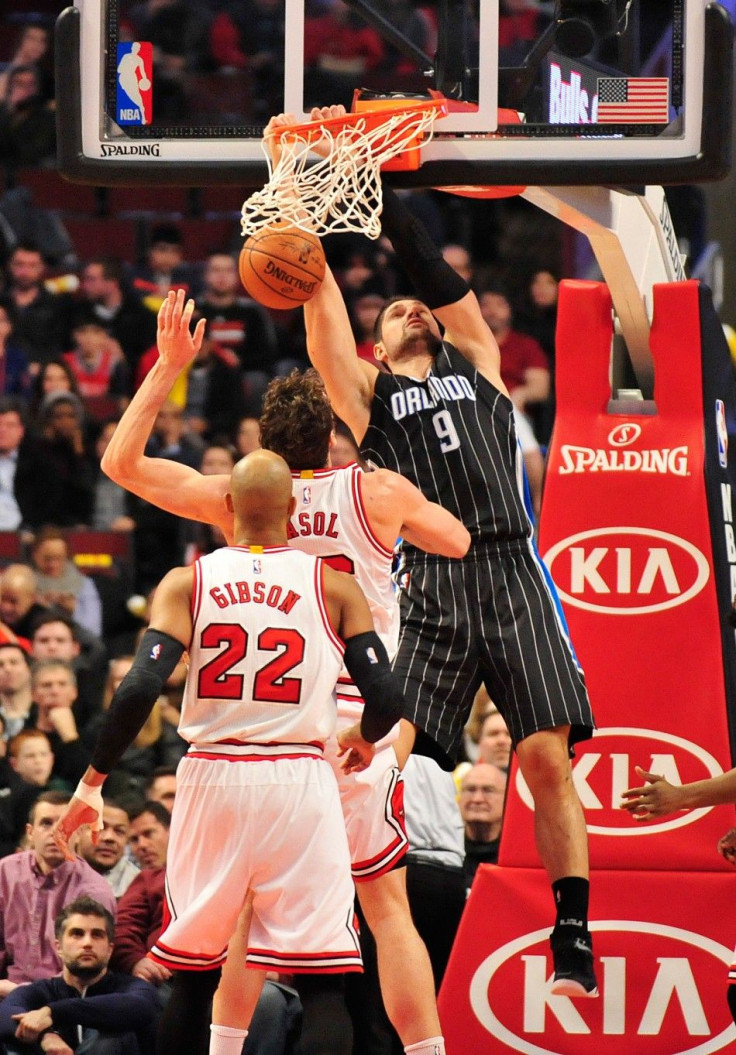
260, 492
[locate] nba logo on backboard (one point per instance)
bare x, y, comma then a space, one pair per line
134, 98
722, 433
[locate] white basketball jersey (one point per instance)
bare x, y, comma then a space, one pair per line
264, 659
330, 522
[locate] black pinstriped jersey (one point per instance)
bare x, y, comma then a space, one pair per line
452, 434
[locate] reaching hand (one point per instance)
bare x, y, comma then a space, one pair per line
271, 141
358, 751
727, 846
176, 345
77, 814
656, 798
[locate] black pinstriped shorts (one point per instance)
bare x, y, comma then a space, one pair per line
492, 617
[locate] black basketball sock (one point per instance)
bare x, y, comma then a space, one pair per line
571, 900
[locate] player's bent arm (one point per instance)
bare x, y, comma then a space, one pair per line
365, 657
467, 330
427, 525
657, 797
331, 346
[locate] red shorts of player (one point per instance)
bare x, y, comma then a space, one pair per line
272, 825
372, 801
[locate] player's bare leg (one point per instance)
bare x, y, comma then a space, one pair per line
562, 842
404, 968
238, 992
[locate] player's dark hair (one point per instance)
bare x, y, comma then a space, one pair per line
84, 906
297, 420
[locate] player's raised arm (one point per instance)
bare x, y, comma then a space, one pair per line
331, 346
330, 341
169, 485
159, 652
438, 285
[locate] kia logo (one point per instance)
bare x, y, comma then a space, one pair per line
623, 435
627, 570
604, 769
678, 992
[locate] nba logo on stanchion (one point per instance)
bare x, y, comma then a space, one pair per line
134, 100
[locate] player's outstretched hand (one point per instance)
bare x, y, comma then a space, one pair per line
656, 798
271, 142
727, 846
357, 753
177, 346
76, 815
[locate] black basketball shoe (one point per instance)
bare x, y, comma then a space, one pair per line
573, 960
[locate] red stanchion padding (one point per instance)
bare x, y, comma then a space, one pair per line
625, 533
662, 944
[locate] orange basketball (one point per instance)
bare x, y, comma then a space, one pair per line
282, 267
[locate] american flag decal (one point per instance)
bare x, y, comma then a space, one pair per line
633, 100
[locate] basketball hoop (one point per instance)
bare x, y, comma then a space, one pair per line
340, 190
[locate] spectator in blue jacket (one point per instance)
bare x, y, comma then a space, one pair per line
86, 1008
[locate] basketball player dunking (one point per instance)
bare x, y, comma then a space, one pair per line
442, 417
257, 827
356, 517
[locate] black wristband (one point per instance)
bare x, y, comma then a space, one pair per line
436, 283
367, 662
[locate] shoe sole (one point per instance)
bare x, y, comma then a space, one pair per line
569, 987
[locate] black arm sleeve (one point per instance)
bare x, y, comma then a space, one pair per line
435, 282
158, 654
368, 666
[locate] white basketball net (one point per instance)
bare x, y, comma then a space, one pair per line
341, 189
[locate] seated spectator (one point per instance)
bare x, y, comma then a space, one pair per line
494, 743
482, 792
240, 325
54, 481
27, 125
61, 584
364, 310
31, 760
459, 259
53, 376
56, 636
114, 507
29, 903
215, 398
204, 538
524, 366
12, 431
161, 786
107, 856
11, 824
54, 687
248, 436
16, 694
340, 51
86, 1008
141, 908
32, 49
122, 314
102, 376
165, 267
15, 378
40, 318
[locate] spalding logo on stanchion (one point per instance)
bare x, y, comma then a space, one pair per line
134, 98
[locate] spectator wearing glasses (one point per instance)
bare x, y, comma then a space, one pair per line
482, 793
